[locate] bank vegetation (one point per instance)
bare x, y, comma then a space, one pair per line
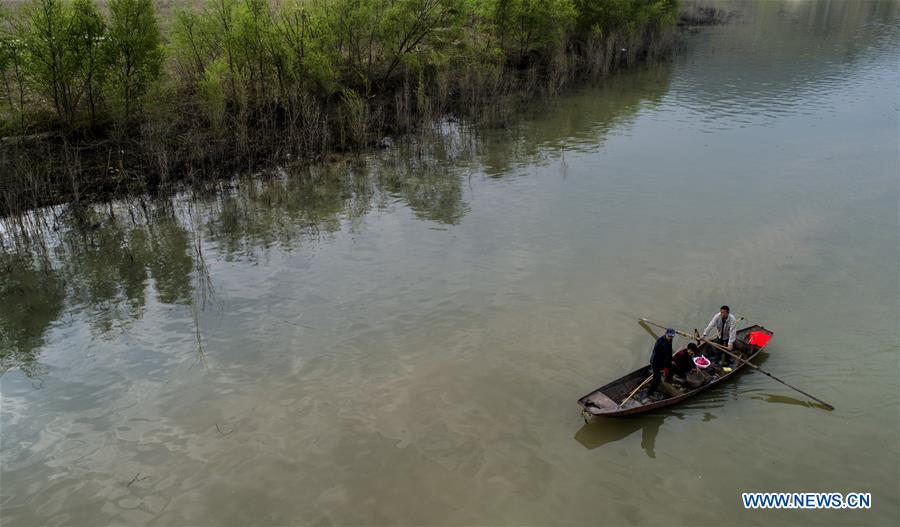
99, 99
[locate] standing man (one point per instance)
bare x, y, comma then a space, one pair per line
726, 326
661, 361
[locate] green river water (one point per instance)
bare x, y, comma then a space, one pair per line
400, 338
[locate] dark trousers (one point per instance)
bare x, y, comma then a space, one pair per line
657, 378
719, 355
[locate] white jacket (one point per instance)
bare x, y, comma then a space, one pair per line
730, 328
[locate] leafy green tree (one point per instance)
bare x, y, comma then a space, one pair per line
307, 47
135, 51
524, 27
85, 33
608, 16
256, 48
12, 69
63, 60
265, 63
51, 65
413, 31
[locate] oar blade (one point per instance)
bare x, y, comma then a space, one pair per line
643, 323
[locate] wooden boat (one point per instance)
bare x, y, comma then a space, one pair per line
605, 401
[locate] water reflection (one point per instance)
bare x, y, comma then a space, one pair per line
785, 399
103, 262
401, 324
31, 296
598, 433
810, 43
245, 217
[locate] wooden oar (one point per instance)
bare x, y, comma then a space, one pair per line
740, 359
647, 329
764, 372
630, 395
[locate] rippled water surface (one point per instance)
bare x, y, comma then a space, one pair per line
400, 339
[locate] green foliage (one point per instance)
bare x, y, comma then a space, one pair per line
354, 113
307, 47
12, 69
86, 32
529, 26
414, 33
134, 51
72, 60
232, 46
240, 62
605, 16
52, 65
211, 90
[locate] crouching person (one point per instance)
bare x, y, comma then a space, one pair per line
683, 366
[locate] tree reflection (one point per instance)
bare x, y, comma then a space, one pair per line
579, 121
428, 176
283, 208
31, 295
107, 262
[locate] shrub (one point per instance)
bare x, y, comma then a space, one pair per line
134, 52
524, 27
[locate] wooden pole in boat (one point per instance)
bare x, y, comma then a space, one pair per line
740, 358
630, 395
625, 400
748, 363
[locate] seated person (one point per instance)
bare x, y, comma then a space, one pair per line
683, 365
683, 360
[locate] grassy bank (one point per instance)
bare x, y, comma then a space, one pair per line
101, 99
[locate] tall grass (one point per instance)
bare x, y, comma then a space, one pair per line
97, 100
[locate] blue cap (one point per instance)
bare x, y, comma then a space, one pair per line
670, 332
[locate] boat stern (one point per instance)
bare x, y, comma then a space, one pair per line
598, 403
